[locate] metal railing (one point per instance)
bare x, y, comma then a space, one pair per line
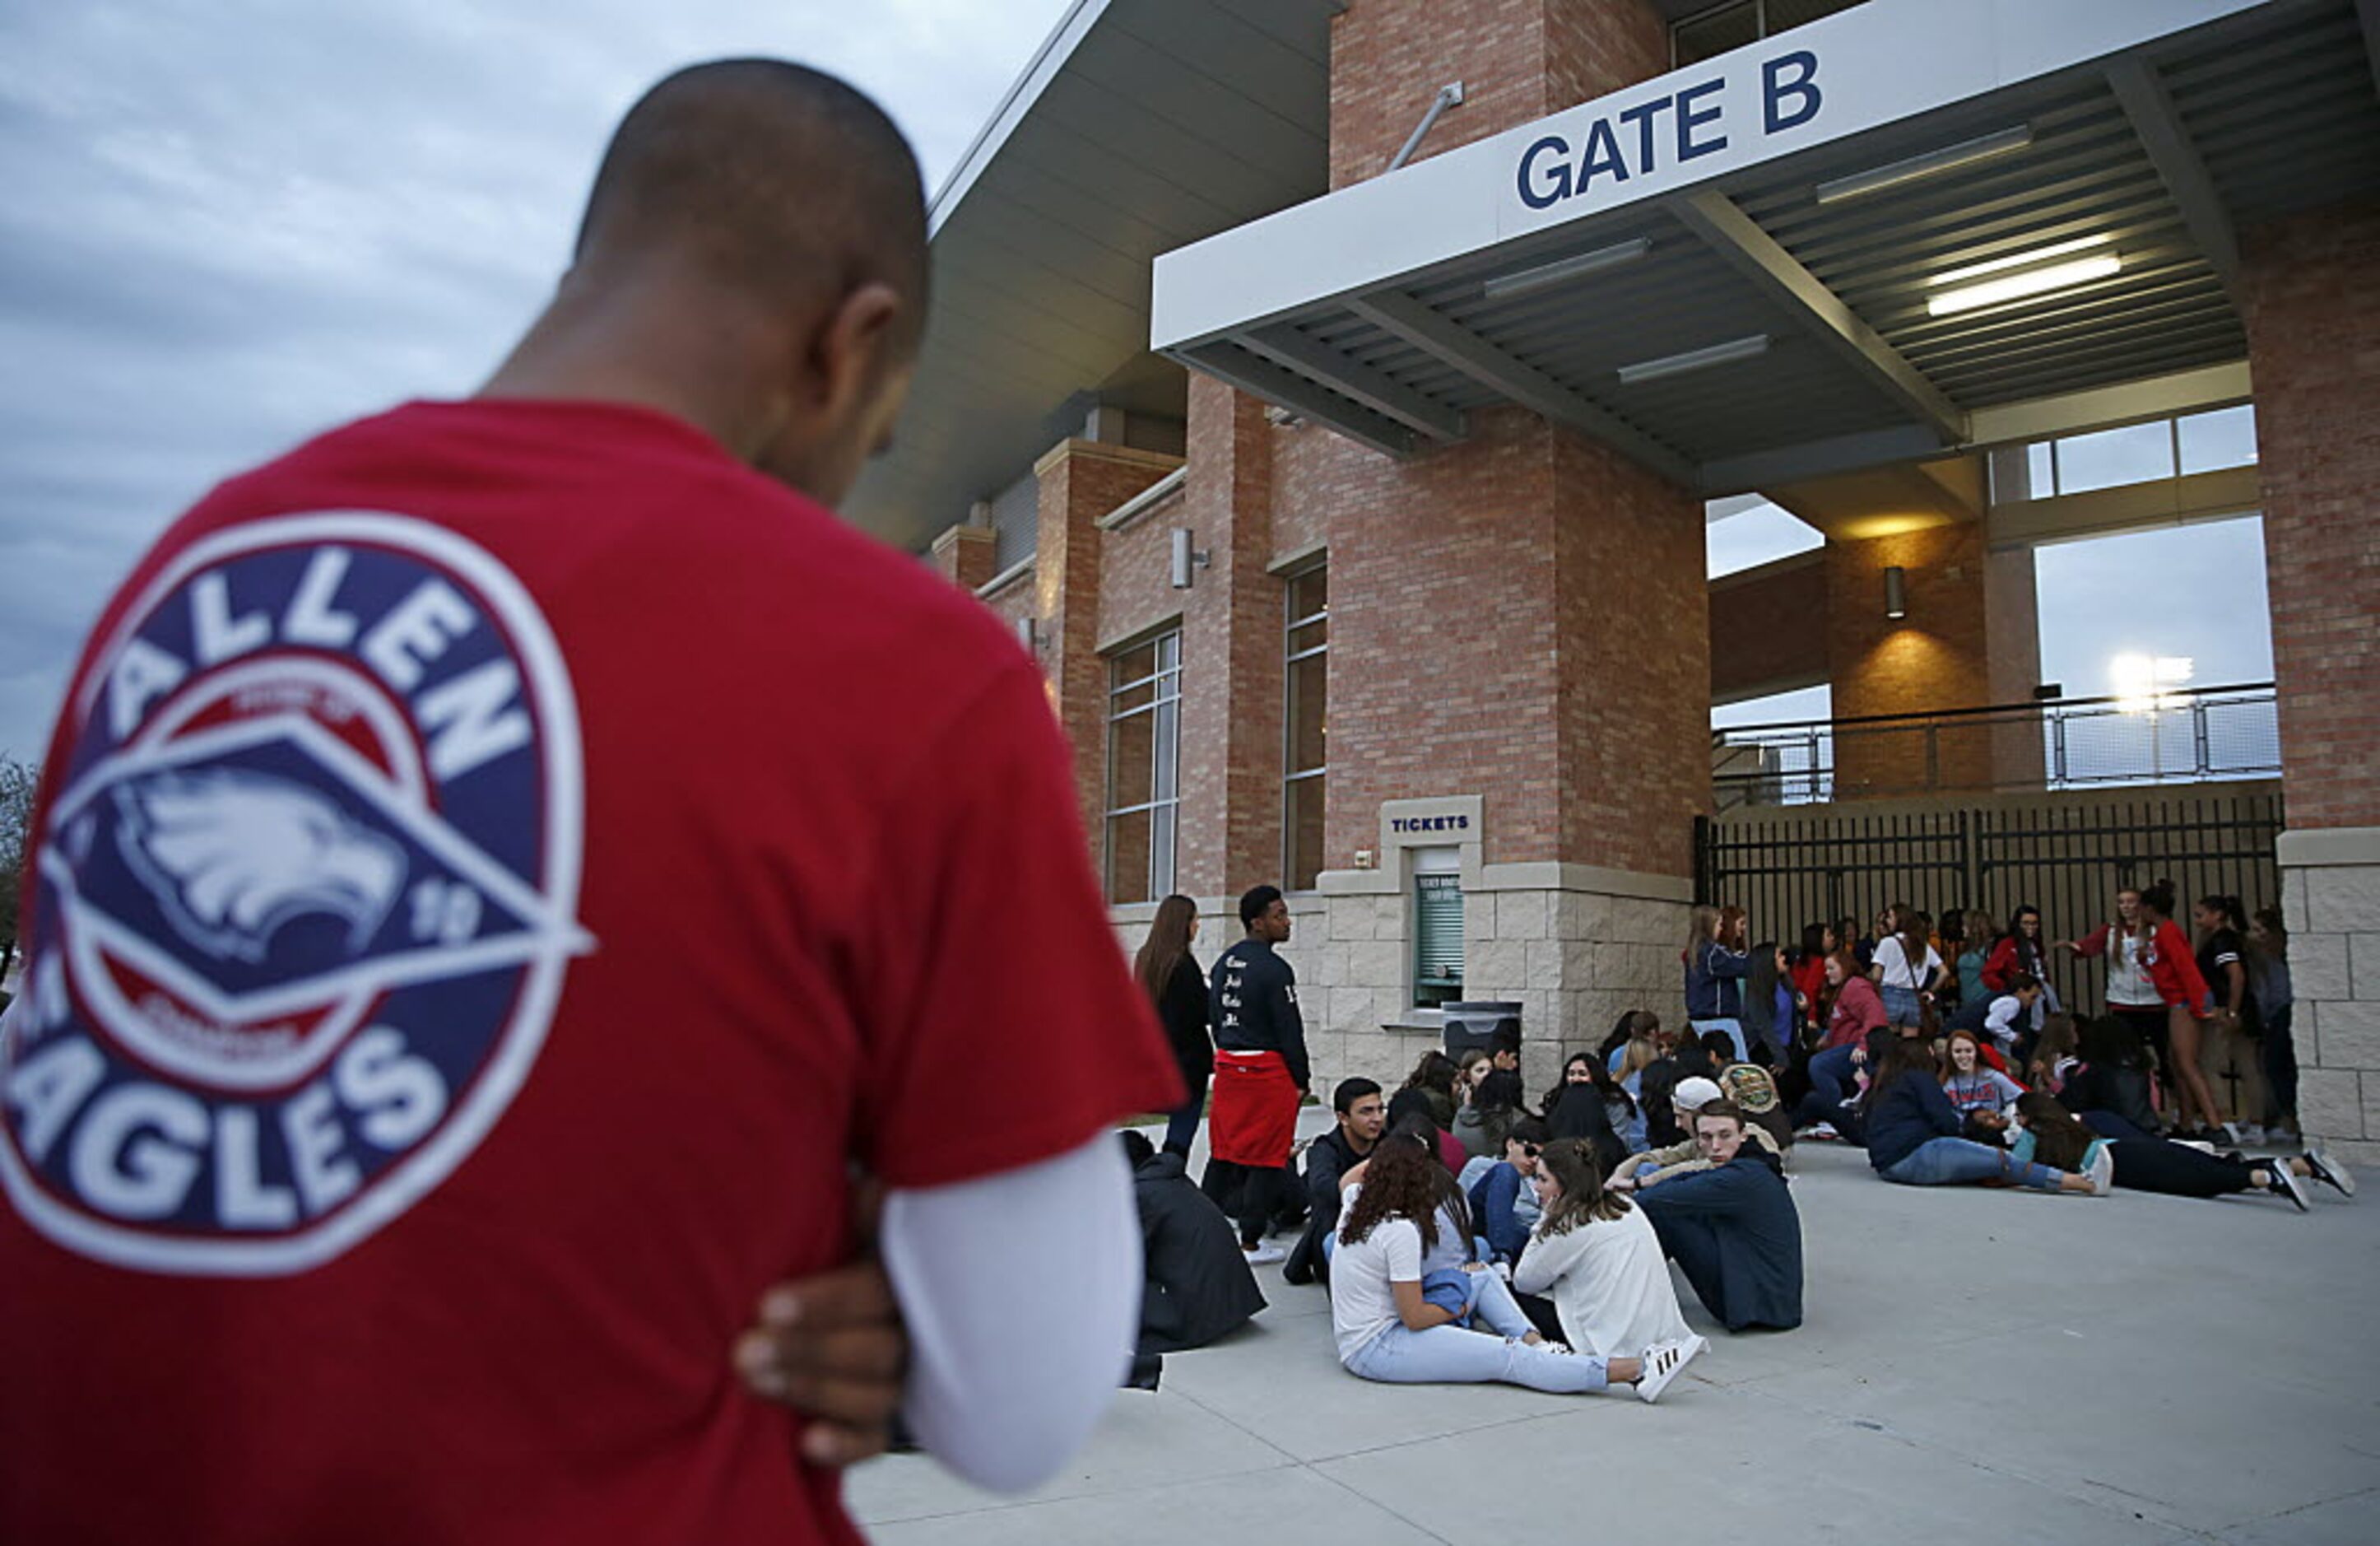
2198, 737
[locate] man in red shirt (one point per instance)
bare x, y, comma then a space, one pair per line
501, 887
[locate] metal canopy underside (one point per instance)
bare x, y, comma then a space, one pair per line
2166, 151
1142, 126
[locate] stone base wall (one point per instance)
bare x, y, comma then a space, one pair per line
2331, 898
1574, 954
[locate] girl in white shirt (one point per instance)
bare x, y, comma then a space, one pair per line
1906, 966
1595, 1256
1387, 1331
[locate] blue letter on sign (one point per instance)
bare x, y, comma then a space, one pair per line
1691, 118
1804, 88
1557, 185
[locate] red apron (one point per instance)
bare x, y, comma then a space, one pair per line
1254, 1118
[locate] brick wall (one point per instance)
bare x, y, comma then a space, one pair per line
1768, 624
1517, 60
1936, 658
2313, 336
1632, 625
1231, 766
1137, 591
963, 555
1080, 482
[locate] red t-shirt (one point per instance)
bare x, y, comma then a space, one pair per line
501, 866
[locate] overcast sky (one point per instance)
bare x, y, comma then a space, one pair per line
230, 224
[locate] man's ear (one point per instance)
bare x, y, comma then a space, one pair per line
849, 350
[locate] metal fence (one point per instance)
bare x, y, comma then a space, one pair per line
2066, 855
2217, 734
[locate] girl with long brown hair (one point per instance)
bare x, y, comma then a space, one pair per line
1906, 966
1595, 1256
1388, 1329
1169, 975
1717, 962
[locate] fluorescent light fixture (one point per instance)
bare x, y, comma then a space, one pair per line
1563, 270
2017, 286
1695, 360
1948, 158
1895, 593
2020, 259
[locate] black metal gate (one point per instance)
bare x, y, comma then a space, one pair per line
1818, 863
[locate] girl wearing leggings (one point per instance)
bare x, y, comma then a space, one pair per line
2054, 1136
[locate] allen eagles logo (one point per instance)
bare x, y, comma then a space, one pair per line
306, 895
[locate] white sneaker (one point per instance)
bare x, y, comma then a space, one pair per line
2245, 1135
2285, 1183
2102, 1171
1663, 1362
1264, 1255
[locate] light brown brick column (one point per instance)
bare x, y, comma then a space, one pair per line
1955, 650
2314, 339
963, 555
1080, 482
1232, 654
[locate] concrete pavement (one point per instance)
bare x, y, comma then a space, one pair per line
1975, 1365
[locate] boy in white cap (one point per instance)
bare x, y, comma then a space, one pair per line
1654, 1166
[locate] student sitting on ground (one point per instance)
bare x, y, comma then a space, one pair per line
1685, 1157
1972, 1085
1434, 1076
2055, 1055
1752, 1090
2112, 1081
1197, 1286
1479, 1127
1732, 1229
1501, 1193
1913, 1134
1408, 1104
1590, 1106
2050, 1133
2000, 1020
1363, 1116
1659, 1083
1387, 1331
1595, 1255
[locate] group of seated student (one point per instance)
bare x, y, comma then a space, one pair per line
1409, 1304
1719, 1204
1972, 1106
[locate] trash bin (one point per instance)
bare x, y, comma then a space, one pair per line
1475, 1025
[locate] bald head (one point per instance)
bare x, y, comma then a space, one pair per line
777, 182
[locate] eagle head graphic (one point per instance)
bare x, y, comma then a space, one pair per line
234, 855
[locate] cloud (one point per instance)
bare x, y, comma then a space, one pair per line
232, 225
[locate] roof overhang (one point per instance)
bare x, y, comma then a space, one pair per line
1726, 271
1140, 126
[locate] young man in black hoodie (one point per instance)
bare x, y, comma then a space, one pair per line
1363, 1116
1198, 1285
1260, 1071
1732, 1229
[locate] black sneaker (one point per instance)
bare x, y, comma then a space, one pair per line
2331, 1172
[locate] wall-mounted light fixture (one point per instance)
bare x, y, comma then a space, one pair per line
1027, 635
1895, 593
1185, 558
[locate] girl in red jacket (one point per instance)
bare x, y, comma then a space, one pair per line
2174, 970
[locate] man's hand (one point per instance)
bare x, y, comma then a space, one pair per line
832, 1348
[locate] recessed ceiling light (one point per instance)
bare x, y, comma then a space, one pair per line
1562, 270
1695, 360
2017, 286
1949, 157
2022, 260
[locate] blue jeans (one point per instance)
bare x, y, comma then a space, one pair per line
1446, 1356
1735, 1029
1830, 1079
1959, 1162
1182, 1124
